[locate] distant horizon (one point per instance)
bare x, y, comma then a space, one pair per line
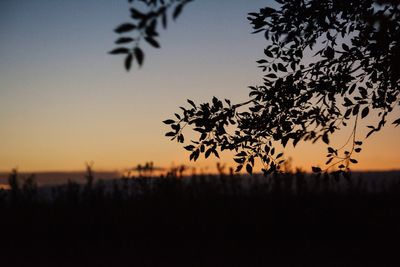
83, 170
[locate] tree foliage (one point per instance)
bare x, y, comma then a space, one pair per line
146, 16
327, 65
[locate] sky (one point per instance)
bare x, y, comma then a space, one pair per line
64, 101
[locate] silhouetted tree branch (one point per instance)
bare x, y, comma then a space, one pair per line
146, 17
327, 64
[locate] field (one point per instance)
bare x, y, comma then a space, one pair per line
205, 220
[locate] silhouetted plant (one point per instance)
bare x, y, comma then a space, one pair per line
144, 27
354, 70
14, 184
88, 189
30, 189
137, 218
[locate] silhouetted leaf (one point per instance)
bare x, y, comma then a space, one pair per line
316, 169
249, 168
136, 14
128, 62
191, 103
152, 42
268, 53
329, 52
177, 11
281, 67
168, 121
208, 152
124, 40
189, 147
353, 161
364, 112
139, 55
118, 51
239, 168
126, 27
325, 138
347, 102
215, 153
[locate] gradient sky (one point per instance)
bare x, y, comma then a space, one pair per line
65, 101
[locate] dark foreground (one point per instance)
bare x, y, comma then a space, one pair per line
287, 220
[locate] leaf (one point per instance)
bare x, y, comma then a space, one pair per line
181, 138
268, 53
208, 152
364, 112
325, 138
262, 61
239, 160
126, 27
128, 61
239, 168
347, 102
191, 103
189, 147
170, 134
196, 154
249, 168
152, 42
177, 11
118, 51
168, 121
136, 14
329, 52
347, 113
353, 161
124, 40
281, 67
139, 55
356, 109
316, 169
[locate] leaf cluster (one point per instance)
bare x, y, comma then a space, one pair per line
146, 16
354, 70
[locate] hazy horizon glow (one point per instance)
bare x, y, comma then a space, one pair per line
64, 101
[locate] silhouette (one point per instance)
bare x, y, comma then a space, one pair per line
327, 65
204, 220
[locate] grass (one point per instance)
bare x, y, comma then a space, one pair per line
220, 220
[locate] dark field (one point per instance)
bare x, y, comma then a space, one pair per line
220, 220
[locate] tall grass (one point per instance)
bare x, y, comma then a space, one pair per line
216, 220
